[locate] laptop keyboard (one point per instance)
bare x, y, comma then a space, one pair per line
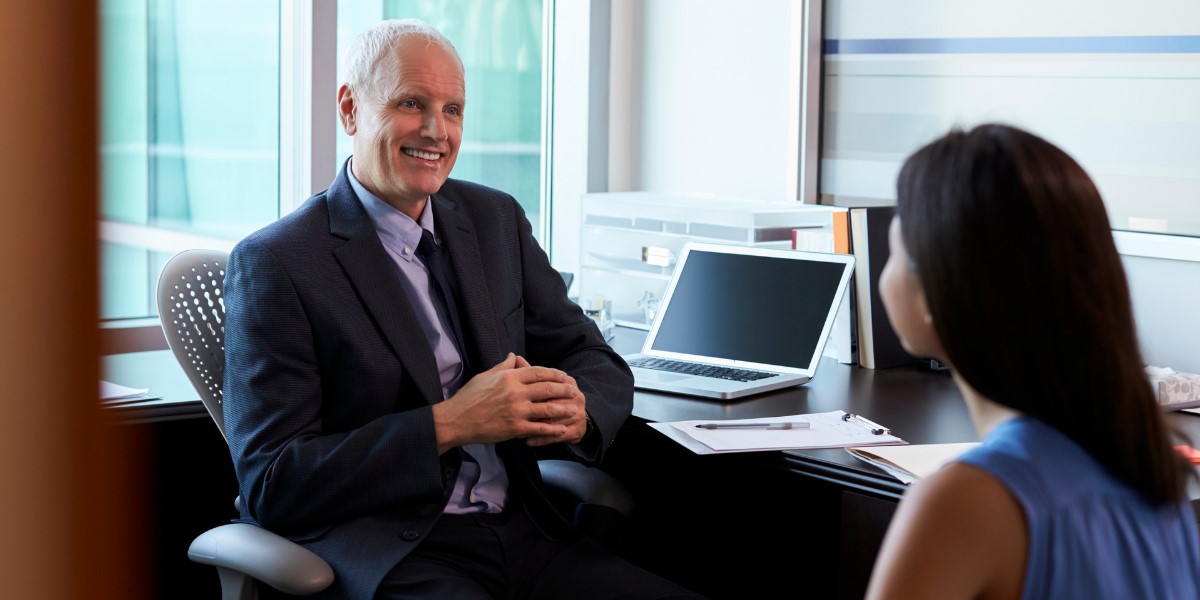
702, 370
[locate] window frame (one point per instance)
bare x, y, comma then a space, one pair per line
307, 140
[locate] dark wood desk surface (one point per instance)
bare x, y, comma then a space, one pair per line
920, 406
174, 396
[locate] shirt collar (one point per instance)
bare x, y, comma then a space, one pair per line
396, 230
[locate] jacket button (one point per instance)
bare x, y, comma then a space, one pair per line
410, 535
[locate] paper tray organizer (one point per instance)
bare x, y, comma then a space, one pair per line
631, 240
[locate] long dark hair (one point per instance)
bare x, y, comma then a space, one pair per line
1013, 247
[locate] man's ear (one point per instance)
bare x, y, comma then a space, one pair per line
347, 106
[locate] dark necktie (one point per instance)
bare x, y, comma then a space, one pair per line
443, 299
439, 287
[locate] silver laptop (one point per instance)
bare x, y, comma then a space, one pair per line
739, 320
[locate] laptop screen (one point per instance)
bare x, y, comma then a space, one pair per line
769, 307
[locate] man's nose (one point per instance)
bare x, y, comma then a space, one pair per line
434, 126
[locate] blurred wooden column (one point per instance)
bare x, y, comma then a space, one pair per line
70, 499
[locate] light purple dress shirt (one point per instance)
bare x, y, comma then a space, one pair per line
482, 484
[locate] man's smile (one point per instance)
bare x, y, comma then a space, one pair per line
422, 154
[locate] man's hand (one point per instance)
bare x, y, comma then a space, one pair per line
511, 400
576, 423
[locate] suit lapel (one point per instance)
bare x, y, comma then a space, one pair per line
459, 233
372, 273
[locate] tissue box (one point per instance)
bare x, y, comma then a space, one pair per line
1174, 391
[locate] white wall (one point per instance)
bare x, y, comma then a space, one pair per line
715, 100
1165, 306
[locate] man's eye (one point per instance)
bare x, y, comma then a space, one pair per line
454, 111
408, 104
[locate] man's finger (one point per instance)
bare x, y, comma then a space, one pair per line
546, 433
548, 390
551, 410
536, 374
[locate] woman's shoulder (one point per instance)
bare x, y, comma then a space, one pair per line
964, 497
957, 533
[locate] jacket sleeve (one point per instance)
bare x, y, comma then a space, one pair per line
558, 334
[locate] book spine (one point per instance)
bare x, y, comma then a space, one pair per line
846, 325
889, 352
882, 346
862, 287
841, 232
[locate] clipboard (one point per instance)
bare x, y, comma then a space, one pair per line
836, 429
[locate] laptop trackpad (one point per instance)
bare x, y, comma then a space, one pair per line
660, 376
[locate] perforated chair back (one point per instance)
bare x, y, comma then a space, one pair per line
191, 306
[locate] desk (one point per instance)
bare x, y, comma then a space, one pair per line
158, 370
712, 522
706, 521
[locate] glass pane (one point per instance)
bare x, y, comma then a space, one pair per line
501, 48
189, 132
1118, 91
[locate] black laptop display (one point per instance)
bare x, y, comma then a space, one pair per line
739, 320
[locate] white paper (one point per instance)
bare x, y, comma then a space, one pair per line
826, 430
912, 462
112, 391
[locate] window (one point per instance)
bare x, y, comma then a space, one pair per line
1118, 91
189, 135
190, 141
501, 48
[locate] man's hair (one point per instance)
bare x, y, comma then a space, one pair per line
370, 57
1012, 245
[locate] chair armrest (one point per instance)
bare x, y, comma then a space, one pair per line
263, 555
588, 485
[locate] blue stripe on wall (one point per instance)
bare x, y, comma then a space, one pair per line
1136, 44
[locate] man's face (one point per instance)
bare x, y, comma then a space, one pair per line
407, 130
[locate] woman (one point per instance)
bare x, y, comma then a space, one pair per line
1003, 266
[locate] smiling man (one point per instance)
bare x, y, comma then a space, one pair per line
397, 350
406, 118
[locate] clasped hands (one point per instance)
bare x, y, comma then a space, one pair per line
513, 400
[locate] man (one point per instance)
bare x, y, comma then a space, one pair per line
380, 405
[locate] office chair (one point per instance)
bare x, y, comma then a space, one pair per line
191, 306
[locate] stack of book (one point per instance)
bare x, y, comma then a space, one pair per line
863, 334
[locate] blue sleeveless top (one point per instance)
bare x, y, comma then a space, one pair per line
1090, 536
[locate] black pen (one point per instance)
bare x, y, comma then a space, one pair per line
792, 425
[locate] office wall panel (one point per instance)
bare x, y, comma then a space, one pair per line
715, 103
1115, 83
1118, 90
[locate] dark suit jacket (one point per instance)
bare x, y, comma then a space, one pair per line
329, 380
